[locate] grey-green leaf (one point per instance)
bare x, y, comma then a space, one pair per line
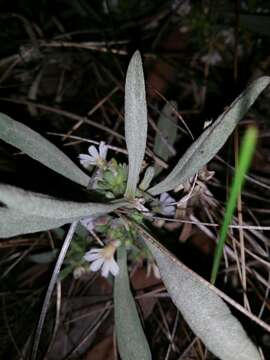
165, 140
131, 340
205, 312
28, 202
135, 121
148, 177
13, 223
212, 139
40, 149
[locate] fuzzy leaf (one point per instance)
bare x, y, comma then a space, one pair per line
40, 149
212, 139
131, 340
148, 177
28, 202
205, 312
135, 121
168, 128
13, 223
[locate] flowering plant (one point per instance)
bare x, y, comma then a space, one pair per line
130, 206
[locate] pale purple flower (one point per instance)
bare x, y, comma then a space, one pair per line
167, 204
103, 258
95, 157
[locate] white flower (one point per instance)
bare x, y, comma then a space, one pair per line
96, 157
167, 206
212, 58
103, 259
88, 223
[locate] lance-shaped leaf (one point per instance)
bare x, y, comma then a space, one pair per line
167, 134
131, 340
212, 139
28, 202
13, 223
40, 149
135, 121
148, 177
205, 312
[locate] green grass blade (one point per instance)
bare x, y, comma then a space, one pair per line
246, 152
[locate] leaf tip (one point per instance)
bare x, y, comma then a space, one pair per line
135, 61
137, 56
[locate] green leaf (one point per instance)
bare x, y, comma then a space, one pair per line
40, 149
167, 126
148, 177
246, 152
131, 340
28, 202
205, 312
212, 139
13, 223
135, 121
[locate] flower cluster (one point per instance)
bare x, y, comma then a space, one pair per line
110, 180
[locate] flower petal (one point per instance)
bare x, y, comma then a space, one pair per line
105, 268
94, 250
91, 257
84, 157
114, 268
93, 151
168, 210
167, 199
96, 265
86, 160
163, 196
103, 149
